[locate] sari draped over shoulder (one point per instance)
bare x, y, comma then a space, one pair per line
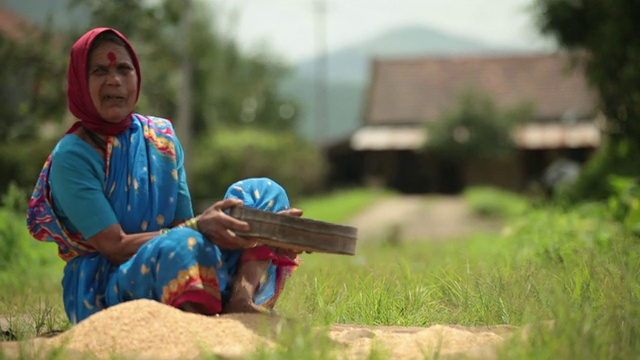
141, 185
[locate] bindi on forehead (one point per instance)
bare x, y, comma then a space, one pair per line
112, 58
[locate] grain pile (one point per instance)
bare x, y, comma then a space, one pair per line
149, 329
418, 343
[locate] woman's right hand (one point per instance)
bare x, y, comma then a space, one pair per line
220, 228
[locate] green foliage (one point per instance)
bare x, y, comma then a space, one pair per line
12, 226
492, 202
20, 255
15, 199
21, 163
235, 89
606, 30
230, 155
625, 204
476, 129
613, 158
10, 231
32, 82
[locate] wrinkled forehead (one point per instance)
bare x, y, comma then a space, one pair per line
109, 53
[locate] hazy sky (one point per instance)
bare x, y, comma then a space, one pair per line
290, 27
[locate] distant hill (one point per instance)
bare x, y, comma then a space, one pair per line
344, 104
352, 63
348, 72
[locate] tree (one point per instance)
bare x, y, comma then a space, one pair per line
31, 93
475, 129
604, 33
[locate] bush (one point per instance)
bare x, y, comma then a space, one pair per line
233, 154
625, 203
611, 159
476, 128
493, 202
21, 162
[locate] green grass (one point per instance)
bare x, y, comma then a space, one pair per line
30, 275
573, 266
339, 206
492, 202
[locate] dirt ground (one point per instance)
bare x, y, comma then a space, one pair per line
418, 217
153, 330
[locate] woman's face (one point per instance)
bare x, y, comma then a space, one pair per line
113, 81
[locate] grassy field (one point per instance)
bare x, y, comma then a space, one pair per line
340, 205
575, 267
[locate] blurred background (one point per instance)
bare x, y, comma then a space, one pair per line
413, 96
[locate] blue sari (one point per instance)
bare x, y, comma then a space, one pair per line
141, 186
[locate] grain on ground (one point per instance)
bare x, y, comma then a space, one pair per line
149, 329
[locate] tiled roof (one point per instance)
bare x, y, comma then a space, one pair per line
419, 90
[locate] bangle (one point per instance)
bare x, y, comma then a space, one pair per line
164, 231
192, 223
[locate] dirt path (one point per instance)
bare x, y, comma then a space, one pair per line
420, 218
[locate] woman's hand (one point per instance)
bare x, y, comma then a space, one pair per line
220, 228
288, 252
291, 212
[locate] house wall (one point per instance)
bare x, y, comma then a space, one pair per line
505, 173
426, 172
345, 166
411, 172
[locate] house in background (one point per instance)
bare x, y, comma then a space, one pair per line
403, 95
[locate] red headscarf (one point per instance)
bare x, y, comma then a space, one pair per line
78, 96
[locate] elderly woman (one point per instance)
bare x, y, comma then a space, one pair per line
113, 196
